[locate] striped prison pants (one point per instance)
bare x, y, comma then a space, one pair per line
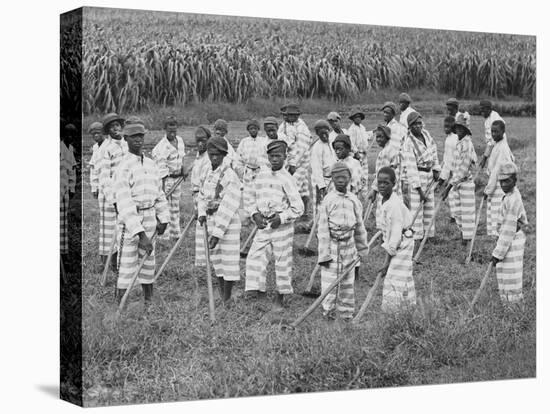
107, 225
63, 224
225, 256
271, 242
343, 294
130, 254
399, 283
301, 176
174, 229
510, 271
464, 201
494, 202
426, 213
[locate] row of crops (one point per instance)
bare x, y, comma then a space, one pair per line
132, 59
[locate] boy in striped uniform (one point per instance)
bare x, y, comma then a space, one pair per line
168, 155
398, 243
112, 152
276, 204
360, 142
462, 193
508, 252
341, 233
342, 150
452, 110
142, 209
298, 139
398, 131
387, 157
334, 119
448, 155
271, 128
251, 155
406, 109
218, 204
200, 167
322, 160
500, 154
220, 129
486, 109
96, 131
422, 164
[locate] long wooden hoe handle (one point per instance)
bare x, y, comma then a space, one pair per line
134, 278
209, 276
174, 248
368, 210
320, 299
368, 299
312, 277
481, 286
475, 231
245, 248
313, 227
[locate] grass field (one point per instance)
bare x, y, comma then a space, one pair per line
173, 352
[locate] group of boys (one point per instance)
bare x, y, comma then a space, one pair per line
269, 180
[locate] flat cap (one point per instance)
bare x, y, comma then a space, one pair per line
95, 126
251, 122
220, 124
342, 138
133, 129
111, 117
385, 130
413, 117
333, 116
356, 111
452, 102
276, 144
202, 132
405, 97
506, 170
219, 143
271, 120
390, 105
339, 168
292, 109
133, 119
321, 123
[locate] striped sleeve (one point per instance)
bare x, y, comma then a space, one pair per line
360, 233
511, 207
410, 164
323, 234
296, 205
229, 203
160, 155
300, 148
463, 159
106, 177
250, 195
435, 158
396, 227
127, 209
94, 171
161, 204
239, 163
493, 174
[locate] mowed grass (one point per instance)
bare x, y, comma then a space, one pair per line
174, 353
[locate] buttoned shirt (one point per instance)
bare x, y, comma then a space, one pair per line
464, 160
111, 155
168, 158
322, 160
417, 154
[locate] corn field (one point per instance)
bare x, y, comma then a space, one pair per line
133, 59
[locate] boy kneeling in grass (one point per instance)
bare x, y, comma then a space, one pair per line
398, 244
508, 253
275, 206
341, 233
218, 204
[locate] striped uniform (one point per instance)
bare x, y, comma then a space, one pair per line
298, 139
510, 246
169, 160
404, 114
251, 155
360, 141
141, 202
221, 190
387, 157
450, 147
274, 192
322, 160
493, 116
198, 174
399, 283
111, 153
333, 134
500, 154
462, 194
94, 168
398, 135
341, 232
67, 182
420, 160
